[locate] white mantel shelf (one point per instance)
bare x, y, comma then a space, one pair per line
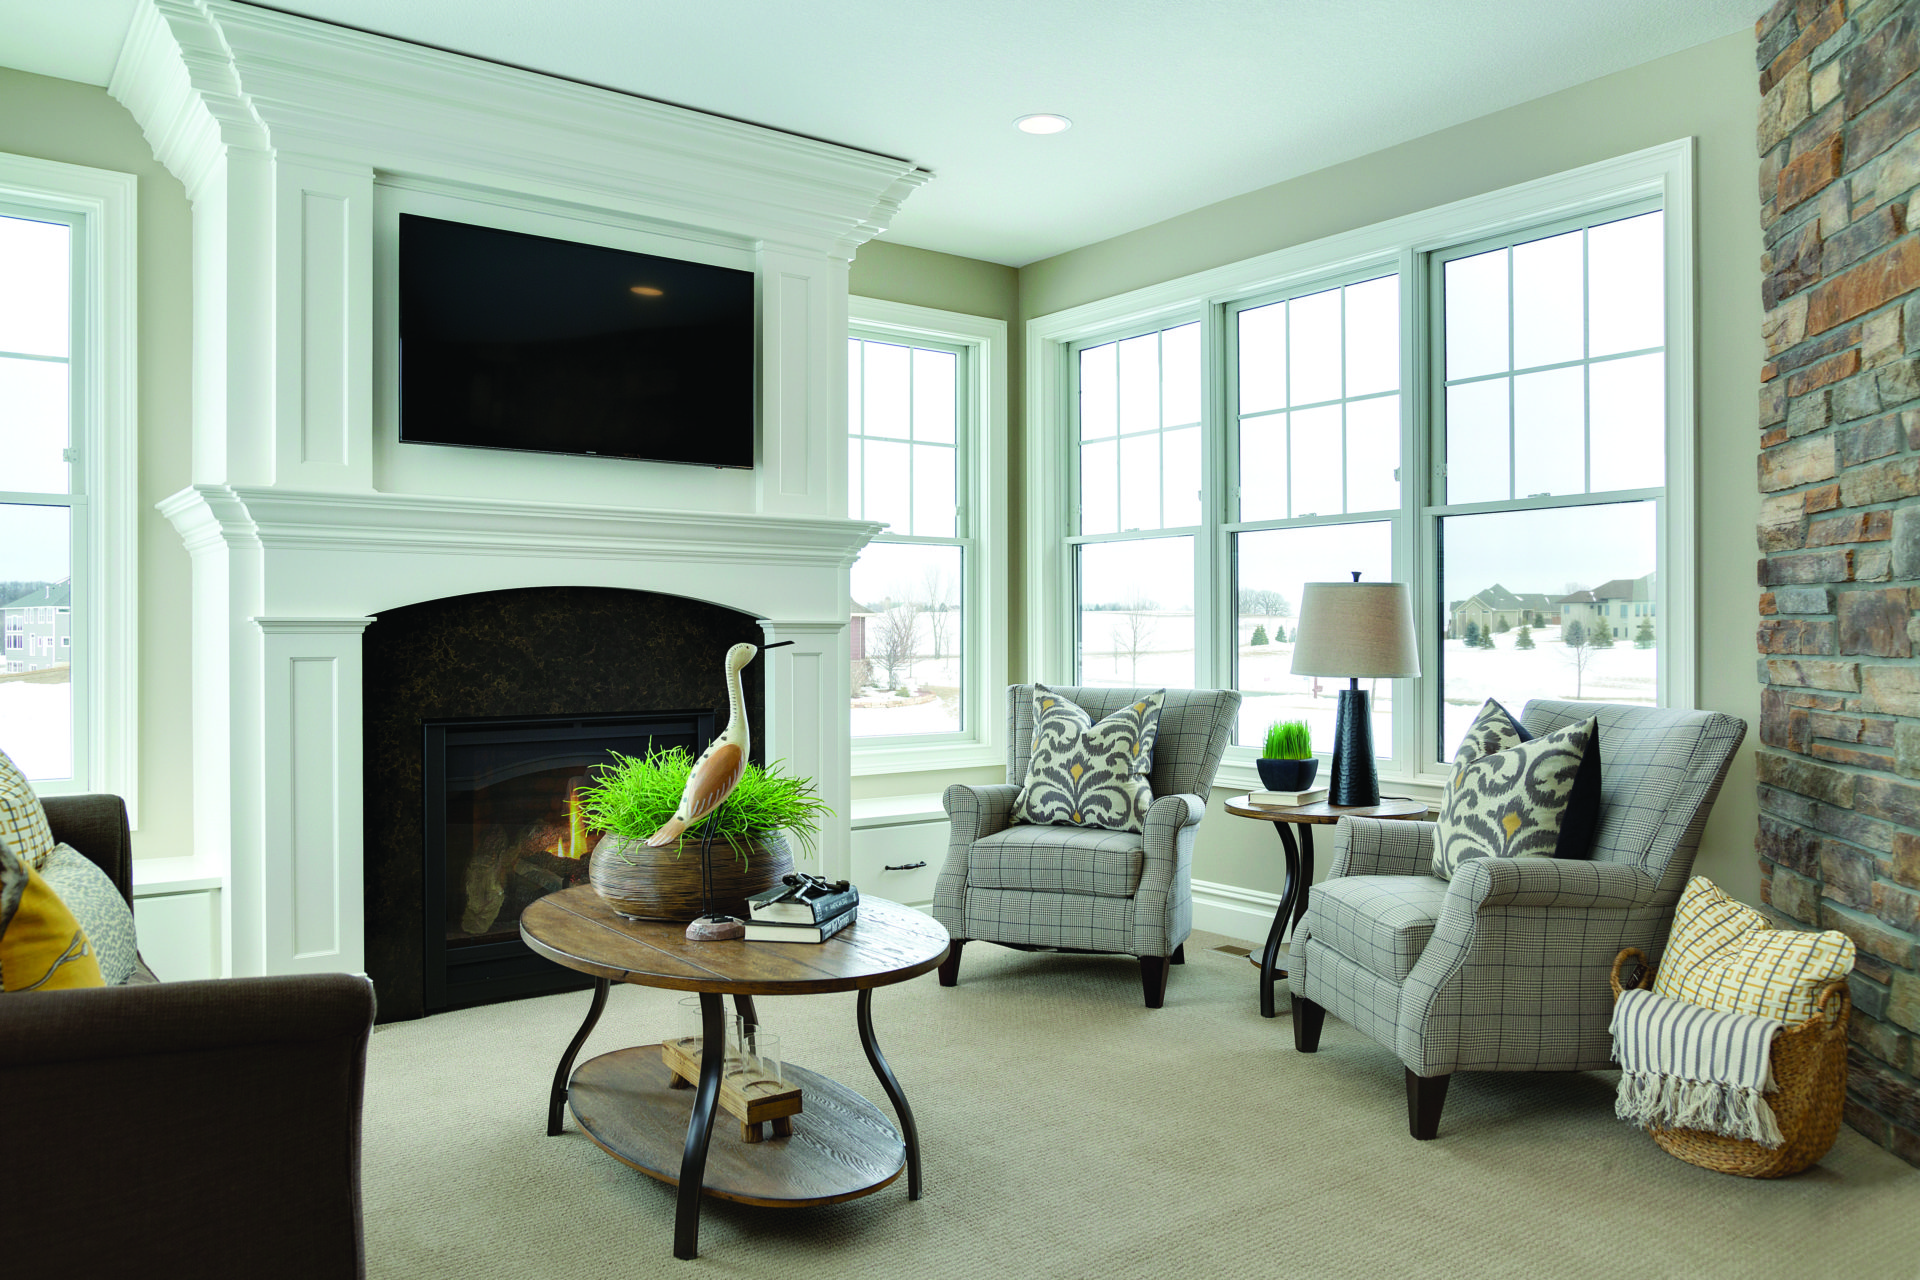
300, 145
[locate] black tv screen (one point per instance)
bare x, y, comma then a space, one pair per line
513, 341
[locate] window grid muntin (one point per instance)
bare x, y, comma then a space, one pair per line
1506, 243
1076, 360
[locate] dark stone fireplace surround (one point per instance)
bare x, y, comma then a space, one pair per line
540, 651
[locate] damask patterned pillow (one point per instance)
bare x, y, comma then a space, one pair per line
1494, 729
1539, 799
1083, 774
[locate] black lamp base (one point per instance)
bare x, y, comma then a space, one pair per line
1354, 780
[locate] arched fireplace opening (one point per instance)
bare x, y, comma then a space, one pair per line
481, 714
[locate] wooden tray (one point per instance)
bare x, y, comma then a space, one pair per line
753, 1099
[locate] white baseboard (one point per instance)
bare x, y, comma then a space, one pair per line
1246, 914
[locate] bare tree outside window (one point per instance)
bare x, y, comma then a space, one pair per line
1580, 652
1133, 633
936, 593
894, 640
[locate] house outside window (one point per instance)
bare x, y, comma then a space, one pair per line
68, 554
926, 455
1478, 401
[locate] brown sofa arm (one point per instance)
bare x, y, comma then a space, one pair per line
203, 1128
96, 825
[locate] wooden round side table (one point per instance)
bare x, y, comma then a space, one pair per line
1293, 898
841, 1146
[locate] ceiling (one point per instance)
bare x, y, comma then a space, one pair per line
1175, 103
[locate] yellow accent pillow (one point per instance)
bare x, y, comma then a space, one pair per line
42, 947
1725, 955
23, 823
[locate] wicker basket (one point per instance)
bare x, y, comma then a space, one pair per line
1810, 1072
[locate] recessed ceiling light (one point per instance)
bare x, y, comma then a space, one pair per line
1044, 122
648, 291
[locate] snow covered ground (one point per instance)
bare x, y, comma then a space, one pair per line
1153, 648
36, 727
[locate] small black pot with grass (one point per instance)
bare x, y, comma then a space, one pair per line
1287, 763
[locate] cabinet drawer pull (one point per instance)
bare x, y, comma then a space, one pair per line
907, 866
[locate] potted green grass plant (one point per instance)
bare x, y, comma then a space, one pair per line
632, 798
1286, 762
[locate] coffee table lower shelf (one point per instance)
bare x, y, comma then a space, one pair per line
842, 1147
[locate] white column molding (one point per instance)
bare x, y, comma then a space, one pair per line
807, 724
311, 893
323, 323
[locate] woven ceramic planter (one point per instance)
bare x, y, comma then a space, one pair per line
664, 883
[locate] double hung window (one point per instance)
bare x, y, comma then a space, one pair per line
41, 505
68, 552
921, 442
1484, 401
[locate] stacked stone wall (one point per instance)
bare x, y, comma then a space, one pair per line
1839, 530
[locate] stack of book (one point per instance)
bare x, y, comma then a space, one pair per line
812, 911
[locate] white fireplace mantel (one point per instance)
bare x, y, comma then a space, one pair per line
298, 142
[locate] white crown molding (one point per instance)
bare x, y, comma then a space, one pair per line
313, 626
415, 524
202, 76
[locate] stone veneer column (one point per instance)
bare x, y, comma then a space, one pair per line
1839, 839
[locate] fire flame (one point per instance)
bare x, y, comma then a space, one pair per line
576, 843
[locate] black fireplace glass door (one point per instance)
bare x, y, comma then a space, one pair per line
504, 828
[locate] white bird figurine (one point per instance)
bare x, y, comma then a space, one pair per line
717, 772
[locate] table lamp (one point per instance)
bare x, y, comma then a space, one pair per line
1355, 629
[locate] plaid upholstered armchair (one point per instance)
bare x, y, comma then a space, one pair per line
1504, 968
1061, 888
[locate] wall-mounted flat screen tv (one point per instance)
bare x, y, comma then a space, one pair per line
513, 341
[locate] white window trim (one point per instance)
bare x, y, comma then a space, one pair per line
983, 743
107, 692
1665, 171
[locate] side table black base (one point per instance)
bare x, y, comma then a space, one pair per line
1293, 905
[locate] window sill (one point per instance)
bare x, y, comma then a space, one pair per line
871, 760
898, 811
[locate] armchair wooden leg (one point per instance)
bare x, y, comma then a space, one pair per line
1425, 1096
1153, 980
1180, 954
950, 967
1308, 1018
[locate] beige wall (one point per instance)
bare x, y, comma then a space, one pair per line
79, 124
1709, 93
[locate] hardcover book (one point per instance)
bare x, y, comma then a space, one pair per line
789, 931
1286, 799
808, 901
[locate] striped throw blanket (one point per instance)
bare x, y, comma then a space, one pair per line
1684, 1066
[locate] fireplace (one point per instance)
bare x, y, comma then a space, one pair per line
504, 827
482, 714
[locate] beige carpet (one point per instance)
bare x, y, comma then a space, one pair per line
1069, 1132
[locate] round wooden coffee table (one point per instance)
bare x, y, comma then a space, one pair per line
841, 1147
1293, 897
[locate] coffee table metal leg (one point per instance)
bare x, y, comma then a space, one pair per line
693, 1161
743, 1005
557, 1100
1290, 895
908, 1132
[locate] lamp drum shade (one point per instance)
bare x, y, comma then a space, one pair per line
1351, 629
